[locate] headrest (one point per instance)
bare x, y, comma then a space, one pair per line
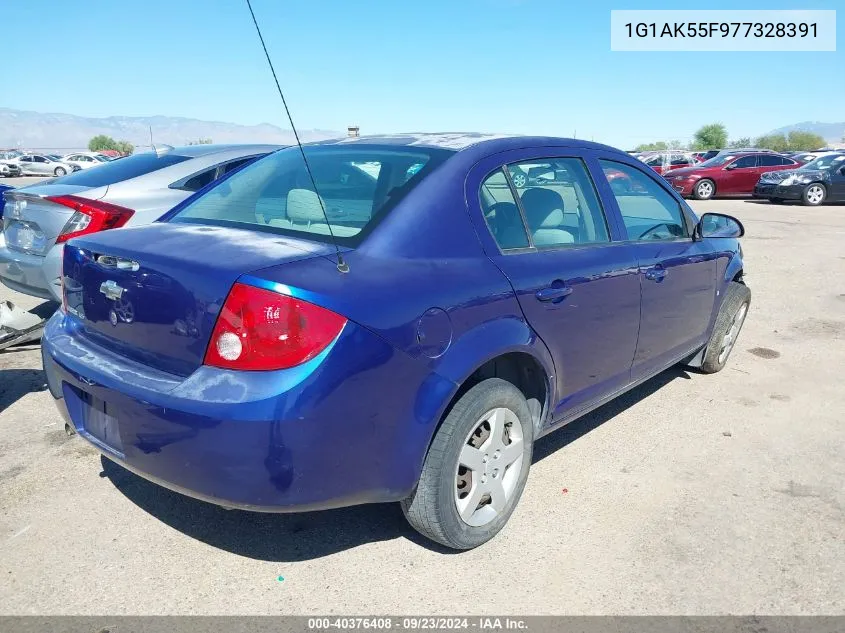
303, 205
543, 208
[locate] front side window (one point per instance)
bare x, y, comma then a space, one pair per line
356, 185
648, 210
39, 159
745, 161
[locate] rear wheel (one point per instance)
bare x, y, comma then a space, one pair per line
476, 467
814, 194
60, 171
704, 189
726, 330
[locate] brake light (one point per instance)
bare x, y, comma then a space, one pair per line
259, 329
90, 216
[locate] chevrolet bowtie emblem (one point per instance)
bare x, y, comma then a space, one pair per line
111, 290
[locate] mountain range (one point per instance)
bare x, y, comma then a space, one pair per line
52, 131
55, 132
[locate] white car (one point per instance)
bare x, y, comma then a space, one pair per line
85, 160
42, 165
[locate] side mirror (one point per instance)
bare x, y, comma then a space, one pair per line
718, 225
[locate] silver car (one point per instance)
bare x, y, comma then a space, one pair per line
135, 190
42, 165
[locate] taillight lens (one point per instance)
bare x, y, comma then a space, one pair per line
260, 330
90, 216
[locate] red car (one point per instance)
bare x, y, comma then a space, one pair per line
661, 162
726, 174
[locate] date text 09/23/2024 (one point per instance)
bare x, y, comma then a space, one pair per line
417, 623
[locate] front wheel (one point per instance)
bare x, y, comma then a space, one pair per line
726, 330
704, 189
60, 171
814, 194
476, 467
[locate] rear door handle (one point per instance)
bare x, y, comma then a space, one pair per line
553, 294
655, 274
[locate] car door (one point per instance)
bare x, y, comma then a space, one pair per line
25, 163
739, 176
40, 165
837, 181
575, 281
677, 274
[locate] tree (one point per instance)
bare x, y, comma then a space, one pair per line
201, 141
745, 141
101, 142
799, 140
777, 142
648, 147
711, 136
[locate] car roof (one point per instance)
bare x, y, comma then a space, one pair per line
462, 141
194, 151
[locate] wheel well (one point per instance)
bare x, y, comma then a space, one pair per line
738, 277
521, 370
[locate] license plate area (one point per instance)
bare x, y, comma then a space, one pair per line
24, 236
100, 423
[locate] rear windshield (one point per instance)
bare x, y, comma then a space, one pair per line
356, 186
119, 170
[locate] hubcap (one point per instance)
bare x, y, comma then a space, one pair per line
815, 194
705, 190
519, 180
733, 331
488, 467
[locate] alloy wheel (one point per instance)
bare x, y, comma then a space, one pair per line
815, 194
489, 466
705, 189
519, 180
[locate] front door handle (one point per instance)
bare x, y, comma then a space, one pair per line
553, 294
655, 274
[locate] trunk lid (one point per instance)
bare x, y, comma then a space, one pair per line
152, 293
31, 223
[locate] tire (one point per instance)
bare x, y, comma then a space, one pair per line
60, 171
704, 189
520, 180
432, 509
814, 194
734, 306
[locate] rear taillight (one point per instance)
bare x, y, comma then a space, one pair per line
260, 330
90, 216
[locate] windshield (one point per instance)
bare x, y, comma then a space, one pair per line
716, 161
357, 184
824, 162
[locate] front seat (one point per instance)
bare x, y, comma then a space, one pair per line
544, 213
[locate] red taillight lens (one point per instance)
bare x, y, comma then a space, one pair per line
259, 330
90, 216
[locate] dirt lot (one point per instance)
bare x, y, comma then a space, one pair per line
691, 495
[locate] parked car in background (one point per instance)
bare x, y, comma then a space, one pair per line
129, 192
9, 169
821, 180
225, 353
111, 154
703, 156
85, 160
664, 161
42, 165
733, 174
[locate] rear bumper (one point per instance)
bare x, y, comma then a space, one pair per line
771, 190
36, 275
325, 434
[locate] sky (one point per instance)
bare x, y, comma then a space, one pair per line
514, 66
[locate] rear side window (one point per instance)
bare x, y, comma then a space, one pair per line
771, 160
502, 213
356, 186
119, 170
648, 210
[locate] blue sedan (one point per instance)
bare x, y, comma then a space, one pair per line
403, 329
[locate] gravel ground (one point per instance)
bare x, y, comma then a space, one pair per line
692, 494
